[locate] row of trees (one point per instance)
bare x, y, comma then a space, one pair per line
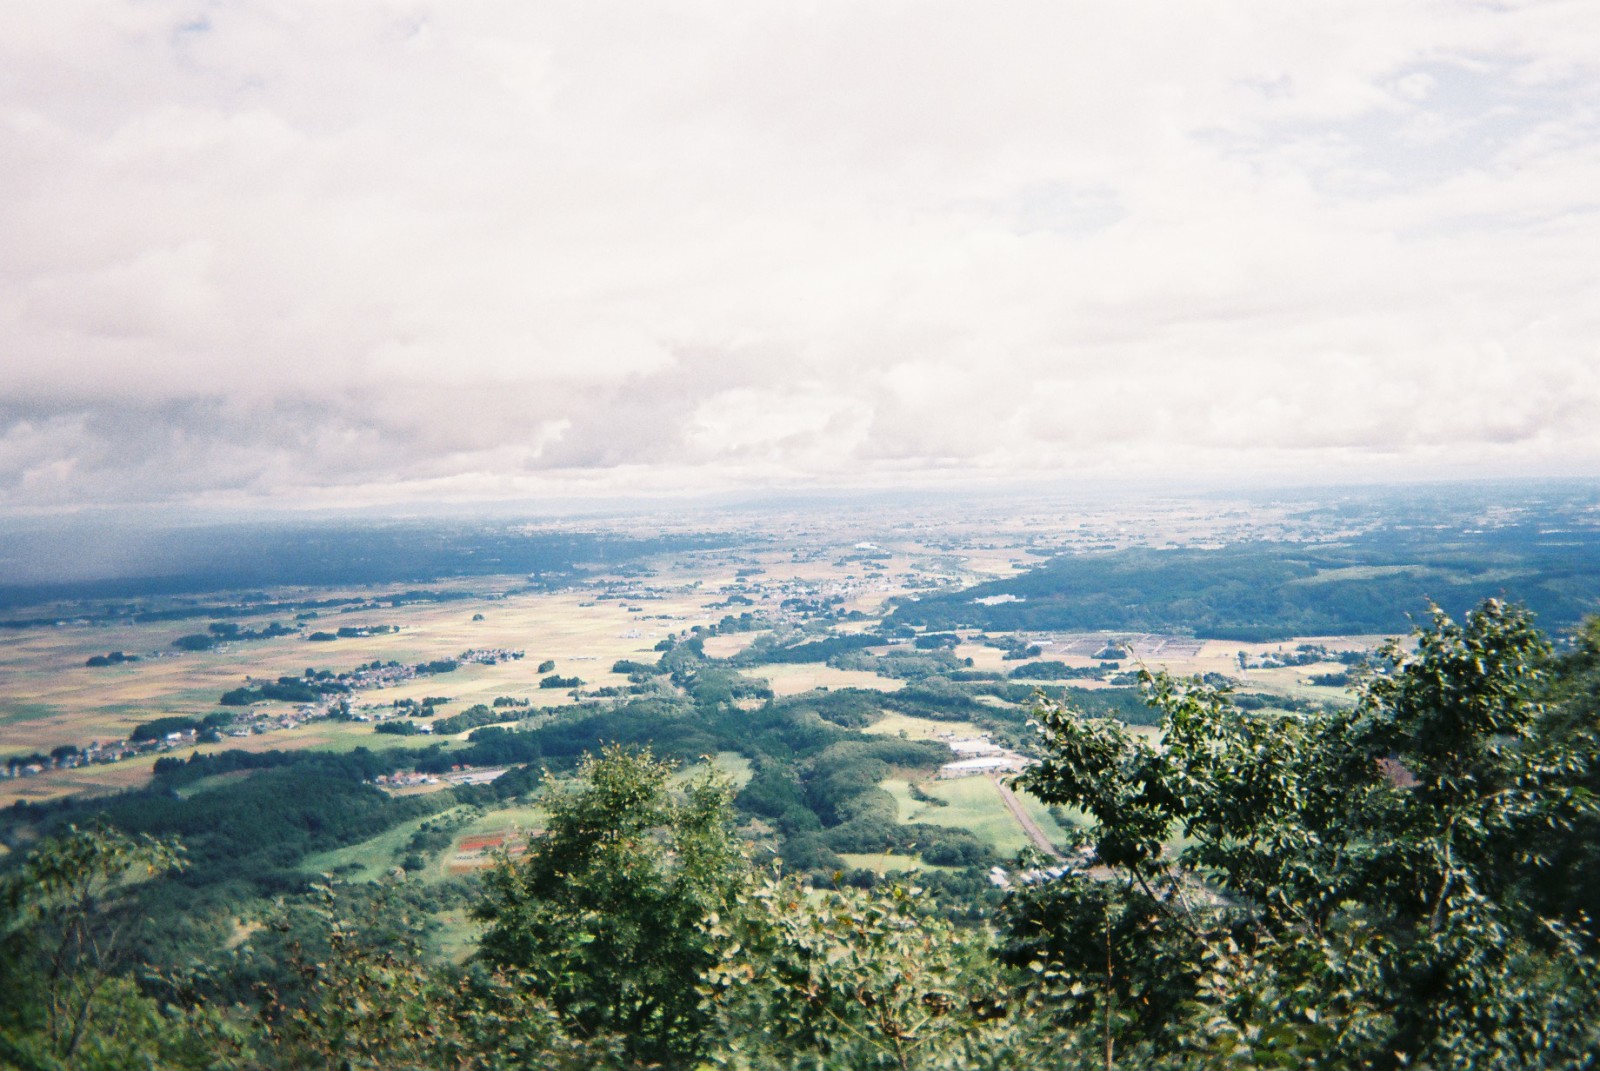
1409, 883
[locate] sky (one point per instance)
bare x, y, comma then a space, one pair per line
348, 252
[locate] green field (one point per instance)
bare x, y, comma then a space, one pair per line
974, 803
887, 862
1291, 681
372, 859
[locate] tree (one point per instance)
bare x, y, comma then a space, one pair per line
607, 913
64, 916
853, 979
1572, 733
1363, 887
359, 995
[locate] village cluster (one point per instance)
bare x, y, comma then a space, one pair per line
253, 719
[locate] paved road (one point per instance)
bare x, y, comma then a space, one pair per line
1029, 826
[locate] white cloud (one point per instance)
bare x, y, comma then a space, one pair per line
419, 248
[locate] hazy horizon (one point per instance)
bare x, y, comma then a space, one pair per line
58, 550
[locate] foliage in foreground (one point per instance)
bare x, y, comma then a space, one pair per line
1405, 884
608, 912
1384, 886
66, 999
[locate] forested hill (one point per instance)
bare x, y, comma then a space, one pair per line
1378, 583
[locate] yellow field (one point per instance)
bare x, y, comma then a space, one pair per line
894, 723
729, 645
984, 657
52, 698
792, 679
88, 781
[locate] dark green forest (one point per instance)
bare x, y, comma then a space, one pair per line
1406, 882
1375, 584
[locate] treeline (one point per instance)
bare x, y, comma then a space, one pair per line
816, 775
1051, 670
219, 632
249, 833
767, 651
161, 727
815, 783
350, 632
114, 658
307, 689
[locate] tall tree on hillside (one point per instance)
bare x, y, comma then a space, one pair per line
607, 912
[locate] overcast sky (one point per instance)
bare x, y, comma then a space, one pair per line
337, 252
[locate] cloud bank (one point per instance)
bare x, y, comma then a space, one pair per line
410, 249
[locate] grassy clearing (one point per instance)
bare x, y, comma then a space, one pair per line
206, 784
345, 736
887, 862
1041, 814
973, 803
371, 859
1364, 572
457, 936
727, 646
911, 727
514, 817
1291, 681
732, 765
984, 657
